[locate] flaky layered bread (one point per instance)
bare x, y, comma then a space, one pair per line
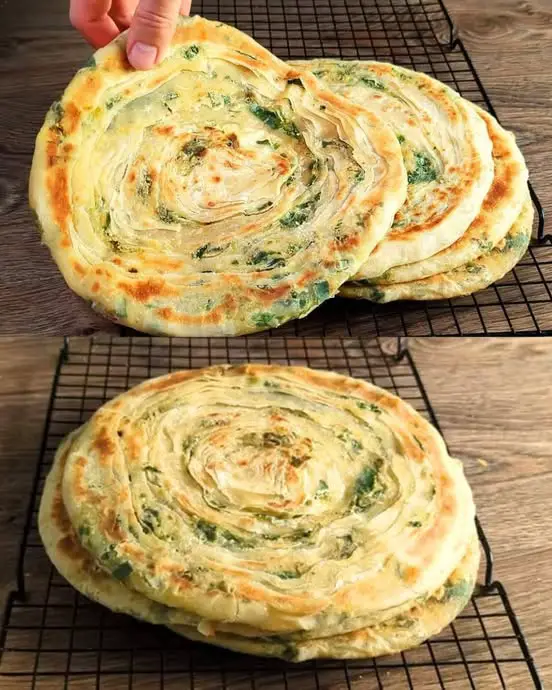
276, 510
222, 192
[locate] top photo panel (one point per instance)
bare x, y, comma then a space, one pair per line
273, 166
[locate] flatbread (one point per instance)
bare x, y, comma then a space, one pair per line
283, 499
447, 152
464, 280
223, 192
401, 632
234, 408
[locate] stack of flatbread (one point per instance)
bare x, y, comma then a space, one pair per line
227, 192
273, 510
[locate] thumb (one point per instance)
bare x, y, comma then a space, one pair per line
151, 31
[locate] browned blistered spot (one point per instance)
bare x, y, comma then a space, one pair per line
345, 243
68, 148
109, 526
132, 176
117, 261
70, 118
214, 316
232, 141
231, 164
71, 547
78, 268
59, 514
306, 278
104, 444
65, 241
133, 447
410, 574
51, 152
99, 272
117, 62
164, 130
144, 290
95, 286
271, 294
59, 196
500, 188
282, 166
160, 262
216, 178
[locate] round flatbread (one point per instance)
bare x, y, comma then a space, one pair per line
464, 280
446, 148
221, 193
424, 619
264, 498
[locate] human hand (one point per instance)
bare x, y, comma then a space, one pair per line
151, 25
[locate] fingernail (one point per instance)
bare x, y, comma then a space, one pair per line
142, 55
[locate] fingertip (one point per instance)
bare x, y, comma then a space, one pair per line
142, 56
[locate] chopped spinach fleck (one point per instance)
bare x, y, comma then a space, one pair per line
420, 444
322, 489
415, 523
121, 571
373, 83
401, 139
359, 176
364, 486
369, 406
267, 259
266, 142
113, 101
458, 590
207, 531
206, 251
191, 52
515, 242
264, 319
424, 169
321, 290
149, 519
167, 216
58, 111
143, 188
298, 82
301, 213
274, 120
288, 574
90, 63
84, 531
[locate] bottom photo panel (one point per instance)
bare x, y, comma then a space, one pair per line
275, 513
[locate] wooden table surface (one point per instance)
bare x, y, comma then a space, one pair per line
510, 42
492, 398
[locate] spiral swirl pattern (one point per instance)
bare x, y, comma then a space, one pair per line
224, 192
261, 500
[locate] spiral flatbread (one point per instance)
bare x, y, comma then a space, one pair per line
223, 192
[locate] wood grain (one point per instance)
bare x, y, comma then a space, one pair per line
510, 42
492, 398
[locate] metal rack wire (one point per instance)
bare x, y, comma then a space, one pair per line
54, 638
418, 34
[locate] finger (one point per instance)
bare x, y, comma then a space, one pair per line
92, 20
122, 12
185, 7
151, 31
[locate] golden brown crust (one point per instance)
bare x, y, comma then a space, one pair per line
151, 266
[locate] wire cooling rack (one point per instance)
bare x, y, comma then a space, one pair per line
418, 34
54, 638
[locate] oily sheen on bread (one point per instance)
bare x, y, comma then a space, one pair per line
267, 509
223, 192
